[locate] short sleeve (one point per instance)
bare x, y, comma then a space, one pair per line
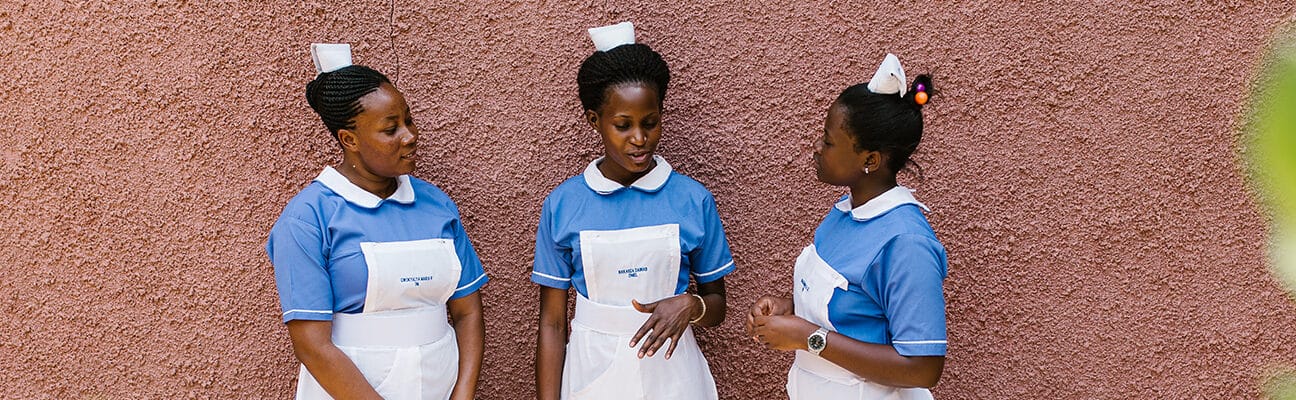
297, 251
913, 294
711, 260
472, 276
553, 264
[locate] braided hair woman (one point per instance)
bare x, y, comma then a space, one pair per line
626, 236
370, 261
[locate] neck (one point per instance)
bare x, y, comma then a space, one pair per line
868, 189
380, 186
619, 175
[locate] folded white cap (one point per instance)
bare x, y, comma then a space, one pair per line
889, 78
330, 57
609, 37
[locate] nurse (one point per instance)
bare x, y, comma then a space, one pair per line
627, 235
867, 313
370, 261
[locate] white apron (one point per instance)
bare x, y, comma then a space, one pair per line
402, 341
812, 377
642, 264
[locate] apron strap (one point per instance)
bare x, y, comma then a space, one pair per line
399, 328
615, 320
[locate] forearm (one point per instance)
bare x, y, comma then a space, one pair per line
335, 372
551, 343
551, 350
881, 363
715, 310
470, 331
713, 295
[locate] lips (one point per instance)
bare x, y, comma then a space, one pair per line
410, 155
640, 158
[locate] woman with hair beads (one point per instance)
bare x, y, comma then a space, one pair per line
370, 261
867, 313
627, 235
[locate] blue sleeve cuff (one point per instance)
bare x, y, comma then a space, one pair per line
550, 281
715, 274
471, 287
919, 348
308, 315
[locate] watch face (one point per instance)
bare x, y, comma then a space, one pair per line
816, 342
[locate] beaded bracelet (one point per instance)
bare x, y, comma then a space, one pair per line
703, 314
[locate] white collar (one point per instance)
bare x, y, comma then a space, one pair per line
650, 182
339, 184
888, 200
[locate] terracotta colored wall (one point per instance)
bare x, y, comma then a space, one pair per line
1080, 160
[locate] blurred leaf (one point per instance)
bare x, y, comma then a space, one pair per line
1271, 150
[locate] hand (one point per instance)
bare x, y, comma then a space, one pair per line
670, 317
766, 306
782, 332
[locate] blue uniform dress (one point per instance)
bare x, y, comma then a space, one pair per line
875, 274
382, 270
590, 202
315, 244
614, 244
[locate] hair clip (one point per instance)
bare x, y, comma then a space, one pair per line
330, 57
889, 78
609, 37
921, 96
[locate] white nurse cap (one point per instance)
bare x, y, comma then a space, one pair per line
889, 78
330, 57
609, 37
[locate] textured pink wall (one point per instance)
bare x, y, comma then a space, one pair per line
1079, 160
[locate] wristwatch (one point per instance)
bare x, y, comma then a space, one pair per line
816, 342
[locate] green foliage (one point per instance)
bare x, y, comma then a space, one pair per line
1271, 149
1282, 387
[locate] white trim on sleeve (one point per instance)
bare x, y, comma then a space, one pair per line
918, 342
713, 272
308, 311
551, 276
474, 282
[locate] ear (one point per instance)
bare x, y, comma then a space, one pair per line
592, 118
348, 139
873, 160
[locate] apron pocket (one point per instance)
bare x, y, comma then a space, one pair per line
620, 380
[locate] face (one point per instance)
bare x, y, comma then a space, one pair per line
630, 124
384, 138
835, 159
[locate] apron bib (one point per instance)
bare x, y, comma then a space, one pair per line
641, 264
402, 341
812, 377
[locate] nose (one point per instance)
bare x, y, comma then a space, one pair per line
411, 136
639, 137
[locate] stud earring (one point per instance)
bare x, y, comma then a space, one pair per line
866, 171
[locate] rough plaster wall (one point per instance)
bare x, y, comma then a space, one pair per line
1079, 159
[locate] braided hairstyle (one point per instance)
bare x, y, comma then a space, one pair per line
885, 122
629, 63
335, 95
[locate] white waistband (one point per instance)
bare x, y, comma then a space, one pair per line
616, 320
398, 328
822, 367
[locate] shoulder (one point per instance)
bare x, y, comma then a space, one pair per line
311, 202
427, 193
907, 220
685, 186
572, 188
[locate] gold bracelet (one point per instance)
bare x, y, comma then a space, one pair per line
703, 314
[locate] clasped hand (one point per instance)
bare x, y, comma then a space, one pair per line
772, 323
670, 318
